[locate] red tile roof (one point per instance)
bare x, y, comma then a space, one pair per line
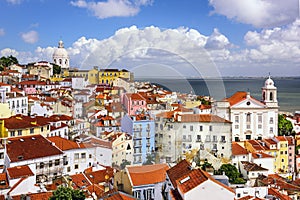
261, 155
30, 147
3, 179
276, 193
64, 144
180, 169
147, 174
203, 118
238, 149
19, 172
35, 196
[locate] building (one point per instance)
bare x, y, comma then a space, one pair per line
180, 132
251, 118
141, 128
61, 57
184, 182
143, 182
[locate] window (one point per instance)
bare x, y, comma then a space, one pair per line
189, 138
207, 138
236, 126
42, 129
50, 163
201, 128
259, 126
12, 133
214, 138
1, 155
42, 165
271, 129
248, 118
198, 138
259, 118
271, 120
236, 119
191, 128
248, 137
83, 155
19, 132
210, 128
76, 156
184, 126
223, 138
76, 166
90, 155
31, 130
56, 162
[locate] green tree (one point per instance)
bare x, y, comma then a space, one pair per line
66, 193
285, 126
232, 172
7, 61
56, 68
124, 163
149, 159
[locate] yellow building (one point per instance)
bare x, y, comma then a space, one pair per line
102, 76
20, 125
276, 147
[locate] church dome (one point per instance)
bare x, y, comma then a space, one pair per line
269, 83
60, 52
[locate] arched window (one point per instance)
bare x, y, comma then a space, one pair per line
271, 96
248, 117
60, 61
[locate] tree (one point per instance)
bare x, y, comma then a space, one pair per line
232, 172
285, 127
56, 68
7, 61
124, 163
149, 159
66, 193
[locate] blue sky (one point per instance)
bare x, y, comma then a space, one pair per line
248, 38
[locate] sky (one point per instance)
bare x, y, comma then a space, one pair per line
190, 38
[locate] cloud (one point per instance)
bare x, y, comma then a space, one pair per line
183, 50
14, 1
259, 13
112, 8
30, 37
2, 32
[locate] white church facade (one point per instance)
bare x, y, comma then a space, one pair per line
251, 118
61, 57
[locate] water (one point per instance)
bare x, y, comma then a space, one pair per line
288, 89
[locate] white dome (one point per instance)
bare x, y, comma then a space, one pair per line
60, 52
269, 83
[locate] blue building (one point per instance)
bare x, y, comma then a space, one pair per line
142, 129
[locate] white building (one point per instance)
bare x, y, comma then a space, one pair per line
251, 118
61, 57
180, 133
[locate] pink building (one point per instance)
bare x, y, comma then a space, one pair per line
134, 102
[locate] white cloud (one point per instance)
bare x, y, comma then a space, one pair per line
14, 1
2, 32
259, 13
30, 37
183, 50
112, 8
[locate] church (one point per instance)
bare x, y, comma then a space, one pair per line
61, 57
251, 118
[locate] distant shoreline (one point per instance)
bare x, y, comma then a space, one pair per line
217, 78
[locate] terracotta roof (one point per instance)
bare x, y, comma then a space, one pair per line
135, 97
116, 195
238, 149
99, 176
64, 144
249, 198
79, 181
202, 118
35, 196
4, 181
191, 180
167, 115
147, 174
237, 97
276, 193
30, 147
248, 166
261, 155
19, 172
180, 169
